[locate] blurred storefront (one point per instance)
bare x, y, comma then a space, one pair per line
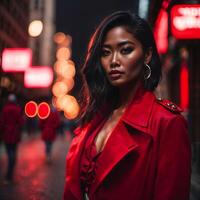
14, 19
177, 31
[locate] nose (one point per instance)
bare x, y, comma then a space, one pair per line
115, 61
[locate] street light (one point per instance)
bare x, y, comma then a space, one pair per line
35, 28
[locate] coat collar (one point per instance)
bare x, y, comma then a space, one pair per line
117, 147
139, 110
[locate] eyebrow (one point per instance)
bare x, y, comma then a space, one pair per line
120, 44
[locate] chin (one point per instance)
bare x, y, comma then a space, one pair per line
118, 83
124, 83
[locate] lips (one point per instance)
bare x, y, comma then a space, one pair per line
115, 74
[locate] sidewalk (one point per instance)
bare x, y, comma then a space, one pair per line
34, 177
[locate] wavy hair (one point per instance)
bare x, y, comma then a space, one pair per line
96, 90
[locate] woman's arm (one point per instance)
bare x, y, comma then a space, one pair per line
174, 161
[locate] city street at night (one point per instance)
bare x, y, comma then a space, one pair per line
99, 100
35, 178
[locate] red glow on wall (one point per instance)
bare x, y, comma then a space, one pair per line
16, 59
31, 109
184, 86
185, 21
38, 77
43, 110
161, 32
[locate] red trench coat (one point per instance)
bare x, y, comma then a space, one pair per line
49, 126
147, 156
11, 122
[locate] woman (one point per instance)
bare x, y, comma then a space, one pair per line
130, 145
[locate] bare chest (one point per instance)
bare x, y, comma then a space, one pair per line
104, 134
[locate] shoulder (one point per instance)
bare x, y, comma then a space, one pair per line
166, 107
165, 111
167, 122
169, 105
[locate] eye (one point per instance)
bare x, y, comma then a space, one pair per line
105, 52
126, 50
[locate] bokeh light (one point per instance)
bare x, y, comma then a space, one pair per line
43, 110
65, 68
63, 53
59, 37
35, 28
59, 89
31, 109
70, 107
38, 77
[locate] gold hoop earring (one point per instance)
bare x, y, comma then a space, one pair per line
148, 74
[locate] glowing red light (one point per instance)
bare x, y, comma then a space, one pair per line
161, 32
184, 87
185, 21
16, 59
43, 110
38, 77
31, 109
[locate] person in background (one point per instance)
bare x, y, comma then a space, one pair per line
11, 122
49, 128
130, 145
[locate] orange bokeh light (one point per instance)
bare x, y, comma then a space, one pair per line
69, 105
65, 68
59, 38
59, 89
68, 81
63, 53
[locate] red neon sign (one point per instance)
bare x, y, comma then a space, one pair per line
43, 110
31, 109
184, 86
16, 59
161, 32
38, 77
185, 21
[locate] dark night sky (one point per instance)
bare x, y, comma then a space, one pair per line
79, 18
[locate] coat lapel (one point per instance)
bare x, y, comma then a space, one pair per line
121, 141
74, 155
118, 146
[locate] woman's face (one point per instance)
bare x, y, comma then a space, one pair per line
122, 57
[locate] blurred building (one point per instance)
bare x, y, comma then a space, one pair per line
42, 45
14, 19
180, 54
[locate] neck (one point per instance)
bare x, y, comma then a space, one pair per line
127, 93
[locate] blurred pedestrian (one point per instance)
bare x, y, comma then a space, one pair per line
130, 145
11, 121
49, 128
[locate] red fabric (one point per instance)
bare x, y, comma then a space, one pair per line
49, 126
88, 162
147, 156
11, 123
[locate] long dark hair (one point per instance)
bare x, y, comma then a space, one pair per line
96, 90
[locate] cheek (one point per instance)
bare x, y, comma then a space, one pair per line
104, 64
135, 61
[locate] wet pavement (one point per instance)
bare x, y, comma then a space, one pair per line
35, 178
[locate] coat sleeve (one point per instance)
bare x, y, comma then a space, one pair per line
174, 161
